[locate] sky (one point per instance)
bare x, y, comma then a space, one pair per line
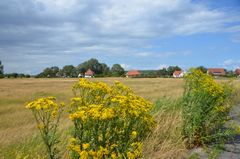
138, 34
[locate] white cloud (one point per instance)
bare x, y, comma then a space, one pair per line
230, 63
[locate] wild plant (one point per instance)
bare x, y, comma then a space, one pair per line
47, 114
206, 106
109, 122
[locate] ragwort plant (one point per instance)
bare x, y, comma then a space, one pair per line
206, 106
109, 122
47, 114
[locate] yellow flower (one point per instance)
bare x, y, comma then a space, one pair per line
134, 134
131, 155
84, 155
113, 155
85, 146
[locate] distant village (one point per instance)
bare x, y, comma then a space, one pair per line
92, 68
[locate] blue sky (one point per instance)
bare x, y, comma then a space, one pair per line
138, 34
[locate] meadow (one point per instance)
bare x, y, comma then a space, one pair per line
18, 132
17, 124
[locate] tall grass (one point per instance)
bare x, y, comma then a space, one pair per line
166, 140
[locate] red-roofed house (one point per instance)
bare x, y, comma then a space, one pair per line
89, 73
216, 71
133, 73
178, 74
237, 71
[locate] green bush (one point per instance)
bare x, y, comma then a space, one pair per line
206, 106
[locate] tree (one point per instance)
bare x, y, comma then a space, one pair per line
69, 71
171, 69
1, 69
230, 73
49, 72
117, 70
162, 72
94, 65
202, 68
105, 70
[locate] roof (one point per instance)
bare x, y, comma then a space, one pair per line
216, 71
89, 72
177, 73
133, 73
237, 71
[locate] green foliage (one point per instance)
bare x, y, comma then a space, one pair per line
202, 68
163, 73
206, 106
49, 72
16, 75
168, 72
94, 65
68, 71
117, 70
171, 69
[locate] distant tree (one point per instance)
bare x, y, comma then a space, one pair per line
49, 72
117, 70
21, 75
105, 70
162, 72
94, 65
230, 73
1, 70
202, 68
171, 69
69, 71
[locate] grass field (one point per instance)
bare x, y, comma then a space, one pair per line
17, 126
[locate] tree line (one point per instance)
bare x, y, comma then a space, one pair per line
100, 70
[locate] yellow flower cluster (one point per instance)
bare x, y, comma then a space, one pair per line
202, 82
85, 151
111, 120
45, 104
96, 112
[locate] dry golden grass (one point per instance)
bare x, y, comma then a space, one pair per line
166, 141
17, 122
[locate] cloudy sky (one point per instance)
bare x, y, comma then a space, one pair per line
138, 34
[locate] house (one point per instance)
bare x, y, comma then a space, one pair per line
216, 71
133, 73
178, 74
237, 71
89, 73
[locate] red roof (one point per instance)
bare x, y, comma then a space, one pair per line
216, 71
89, 72
133, 73
177, 73
237, 71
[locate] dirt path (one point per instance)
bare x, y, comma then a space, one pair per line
232, 150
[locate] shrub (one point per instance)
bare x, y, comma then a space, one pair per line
47, 114
109, 122
206, 107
